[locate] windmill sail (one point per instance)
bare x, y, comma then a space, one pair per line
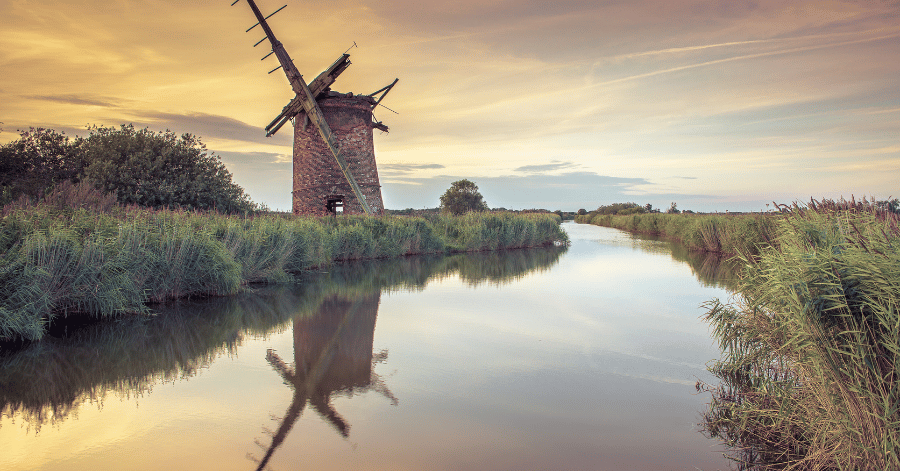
307, 100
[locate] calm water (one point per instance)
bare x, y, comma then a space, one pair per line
577, 359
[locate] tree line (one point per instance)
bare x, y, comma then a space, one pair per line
138, 166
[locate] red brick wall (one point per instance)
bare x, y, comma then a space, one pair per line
317, 175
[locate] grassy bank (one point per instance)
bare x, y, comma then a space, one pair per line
57, 261
812, 345
721, 234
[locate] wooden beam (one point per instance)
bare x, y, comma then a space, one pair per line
385, 90
317, 87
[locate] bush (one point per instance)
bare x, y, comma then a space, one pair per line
37, 161
159, 170
155, 170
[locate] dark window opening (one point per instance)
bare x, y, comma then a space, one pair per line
335, 205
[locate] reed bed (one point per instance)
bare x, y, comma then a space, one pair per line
62, 259
721, 234
811, 345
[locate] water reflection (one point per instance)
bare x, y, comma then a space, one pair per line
712, 270
46, 381
332, 356
332, 314
590, 365
333, 347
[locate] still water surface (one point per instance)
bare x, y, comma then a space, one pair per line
577, 359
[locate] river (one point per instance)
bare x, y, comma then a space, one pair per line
579, 358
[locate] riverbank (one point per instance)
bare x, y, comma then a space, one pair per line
811, 345
727, 235
56, 261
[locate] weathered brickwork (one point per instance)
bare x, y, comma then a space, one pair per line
317, 176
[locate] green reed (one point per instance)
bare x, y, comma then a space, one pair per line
811, 345
58, 260
723, 234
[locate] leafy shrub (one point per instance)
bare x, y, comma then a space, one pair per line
142, 167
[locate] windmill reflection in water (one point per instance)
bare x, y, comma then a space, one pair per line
333, 355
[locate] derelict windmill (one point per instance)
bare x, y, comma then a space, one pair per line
334, 151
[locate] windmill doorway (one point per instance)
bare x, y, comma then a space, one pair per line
335, 205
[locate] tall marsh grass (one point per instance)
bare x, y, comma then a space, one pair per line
811, 345
722, 234
61, 259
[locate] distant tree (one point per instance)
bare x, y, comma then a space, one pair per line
889, 205
160, 170
673, 209
582, 212
462, 197
648, 208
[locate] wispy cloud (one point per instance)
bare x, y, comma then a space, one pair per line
778, 52
725, 98
702, 47
76, 100
211, 126
546, 168
392, 169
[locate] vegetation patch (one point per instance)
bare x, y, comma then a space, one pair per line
715, 233
76, 254
134, 166
812, 344
48, 381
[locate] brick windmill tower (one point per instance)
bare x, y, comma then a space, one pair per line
334, 150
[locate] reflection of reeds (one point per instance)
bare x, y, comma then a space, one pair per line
812, 345
45, 381
57, 261
712, 269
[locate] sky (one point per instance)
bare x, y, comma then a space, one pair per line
570, 104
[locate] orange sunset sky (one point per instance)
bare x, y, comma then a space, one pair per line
569, 104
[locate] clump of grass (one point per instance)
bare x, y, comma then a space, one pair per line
812, 345
474, 231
